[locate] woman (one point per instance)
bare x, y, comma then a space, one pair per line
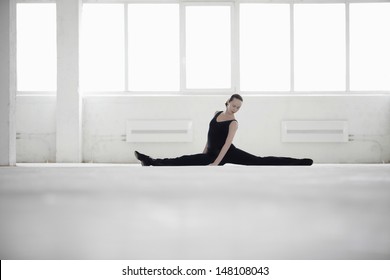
219, 148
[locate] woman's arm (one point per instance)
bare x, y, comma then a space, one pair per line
205, 148
229, 140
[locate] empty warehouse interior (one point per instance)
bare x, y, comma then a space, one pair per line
84, 84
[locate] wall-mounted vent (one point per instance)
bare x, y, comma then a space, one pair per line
314, 131
153, 131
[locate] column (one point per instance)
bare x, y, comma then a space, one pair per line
7, 92
69, 103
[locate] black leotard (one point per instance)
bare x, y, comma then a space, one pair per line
218, 132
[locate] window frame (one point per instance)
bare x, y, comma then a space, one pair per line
290, 51
13, 53
349, 78
346, 49
127, 64
123, 69
183, 72
235, 45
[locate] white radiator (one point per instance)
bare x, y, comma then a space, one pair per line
314, 131
158, 131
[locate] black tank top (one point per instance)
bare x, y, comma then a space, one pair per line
218, 132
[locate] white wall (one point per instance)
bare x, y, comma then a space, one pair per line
104, 124
36, 129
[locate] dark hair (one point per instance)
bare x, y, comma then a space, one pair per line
234, 96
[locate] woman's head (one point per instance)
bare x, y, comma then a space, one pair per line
234, 103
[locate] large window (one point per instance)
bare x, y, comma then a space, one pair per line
130, 47
36, 56
319, 47
208, 47
102, 52
182, 46
153, 47
265, 47
370, 45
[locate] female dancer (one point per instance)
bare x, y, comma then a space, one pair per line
219, 148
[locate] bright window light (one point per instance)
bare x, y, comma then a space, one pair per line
264, 47
154, 49
208, 47
319, 47
369, 46
36, 47
102, 51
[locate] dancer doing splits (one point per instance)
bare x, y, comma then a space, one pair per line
219, 148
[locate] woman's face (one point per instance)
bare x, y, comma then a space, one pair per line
234, 105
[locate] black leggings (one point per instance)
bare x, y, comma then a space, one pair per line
234, 155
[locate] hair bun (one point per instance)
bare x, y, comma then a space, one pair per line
237, 96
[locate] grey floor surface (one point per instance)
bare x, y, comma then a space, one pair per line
52, 211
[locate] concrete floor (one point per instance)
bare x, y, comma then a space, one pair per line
52, 211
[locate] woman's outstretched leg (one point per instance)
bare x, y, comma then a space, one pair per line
187, 160
237, 156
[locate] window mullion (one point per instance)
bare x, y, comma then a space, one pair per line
235, 51
126, 42
347, 48
182, 41
292, 61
